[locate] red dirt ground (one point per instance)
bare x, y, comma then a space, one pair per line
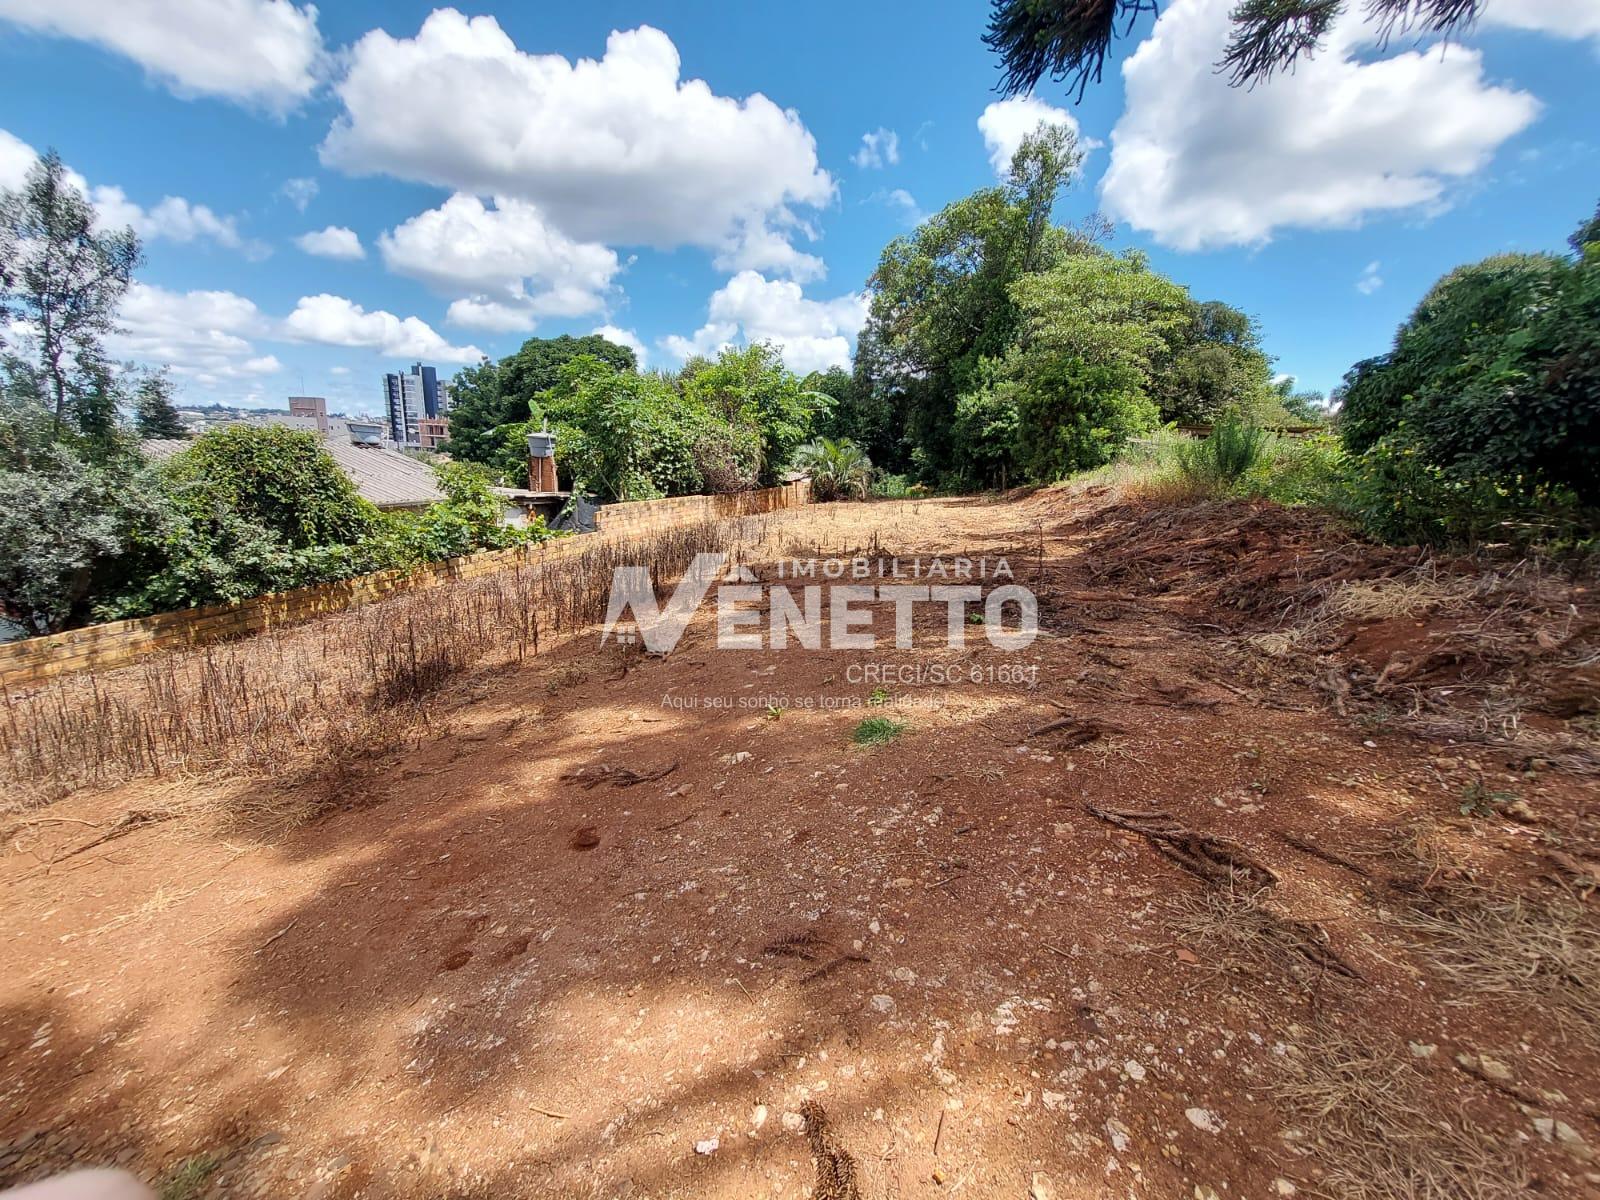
476, 977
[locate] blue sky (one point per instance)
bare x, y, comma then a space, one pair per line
495, 193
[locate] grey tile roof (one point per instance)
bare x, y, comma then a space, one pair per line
386, 477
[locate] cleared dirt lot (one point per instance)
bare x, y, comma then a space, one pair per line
1353, 950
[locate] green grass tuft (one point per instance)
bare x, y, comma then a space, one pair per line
875, 731
187, 1179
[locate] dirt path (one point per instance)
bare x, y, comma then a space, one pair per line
904, 970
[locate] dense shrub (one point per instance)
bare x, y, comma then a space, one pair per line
1075, 416
1397, 495
986, 431
1301, 470
1234, 448
838, 469
1484, 419
281, 480
1436, 350
893, 487
58, 522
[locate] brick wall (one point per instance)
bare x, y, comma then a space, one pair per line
118, 643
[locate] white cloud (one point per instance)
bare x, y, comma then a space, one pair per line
1199, 164
172, 218
1006, 122
16, 156
880, 148
333, 242
617, 150
299, 192
204, 336
260, 52
765, 249
491, 316
901, 201
209, 337
336, 321
813, 334
1559, 18
506, 263
623, 337
1370, 280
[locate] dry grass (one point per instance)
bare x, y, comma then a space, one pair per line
1233, 924
1507, 949
1240, 932
1382, 1130
1416, 593
316, 694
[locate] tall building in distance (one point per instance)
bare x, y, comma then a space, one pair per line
313, 407
415, 397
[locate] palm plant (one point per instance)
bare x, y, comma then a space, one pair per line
839, 469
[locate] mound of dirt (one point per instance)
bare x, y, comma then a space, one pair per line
1254, 558
1473, 647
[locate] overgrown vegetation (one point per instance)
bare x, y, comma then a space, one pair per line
244, 510
91, 530
1001, 348
723, 425
1481, 425
317, 694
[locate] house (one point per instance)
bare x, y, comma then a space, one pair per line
391, 480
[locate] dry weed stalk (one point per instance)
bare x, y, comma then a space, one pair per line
1382, 1130
328, 689
1491, 946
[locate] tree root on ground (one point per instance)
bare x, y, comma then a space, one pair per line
836, 1170
1212, 859
594, 776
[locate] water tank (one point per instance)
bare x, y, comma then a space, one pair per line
542, 445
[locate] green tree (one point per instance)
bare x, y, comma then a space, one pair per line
988, 430
1484, 419
1524, 406
489, 396
1069, 39
58, 521
1305, 407
27, 427
750, 389
941, 299
1441, 345
622, 435
1214, 364
64, 280
95, 407
1104, 310
279, 480
154, 413
1075, 415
